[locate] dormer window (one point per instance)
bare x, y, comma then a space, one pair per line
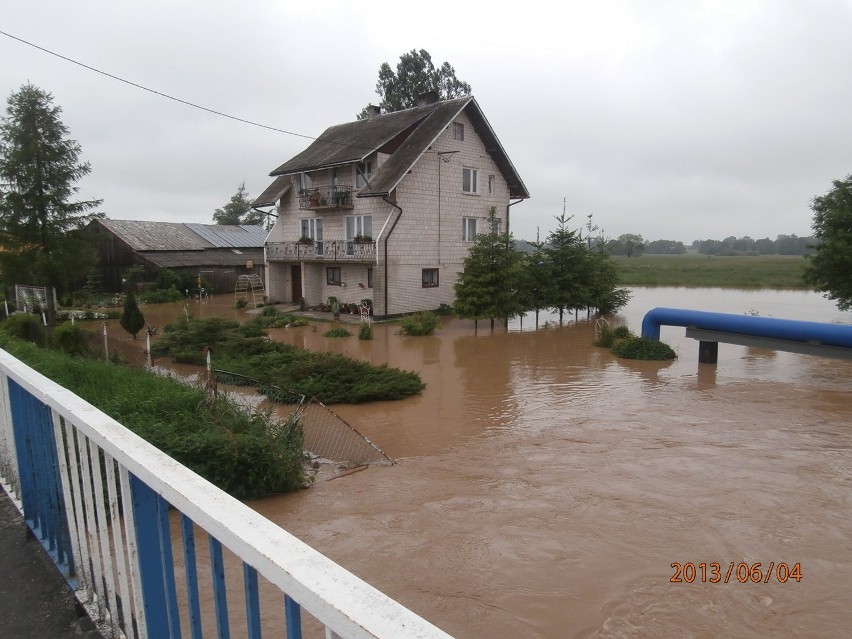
458, 131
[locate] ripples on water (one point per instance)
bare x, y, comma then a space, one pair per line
544, 486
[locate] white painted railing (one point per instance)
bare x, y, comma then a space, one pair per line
110, 508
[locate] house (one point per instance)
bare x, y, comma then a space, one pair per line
217, 254
387, 208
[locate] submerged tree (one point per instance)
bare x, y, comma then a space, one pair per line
487, 288
415, 75
829, 269
39, 170
132, 319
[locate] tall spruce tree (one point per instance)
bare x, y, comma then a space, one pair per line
487, 288
39, 169
567, 257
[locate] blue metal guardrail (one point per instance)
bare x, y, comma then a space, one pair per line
814, 338
120, 519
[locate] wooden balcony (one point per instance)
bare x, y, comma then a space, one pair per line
325, 198
330, 251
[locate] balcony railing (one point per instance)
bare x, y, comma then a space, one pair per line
329, 197
333, 251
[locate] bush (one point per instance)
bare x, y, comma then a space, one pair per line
337, 332
633, 347
70, 339
423, 323
610, 335
24, 326
161, 296
366, 331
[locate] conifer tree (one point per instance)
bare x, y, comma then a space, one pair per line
39, 169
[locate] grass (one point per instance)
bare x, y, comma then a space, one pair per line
693, 269
247, 454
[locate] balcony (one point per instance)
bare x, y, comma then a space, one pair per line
332, 251
324, 198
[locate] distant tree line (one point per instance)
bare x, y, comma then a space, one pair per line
633, 245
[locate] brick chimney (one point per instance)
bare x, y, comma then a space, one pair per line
430, 97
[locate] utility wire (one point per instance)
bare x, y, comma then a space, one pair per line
165, 95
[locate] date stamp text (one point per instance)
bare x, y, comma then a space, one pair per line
742, 572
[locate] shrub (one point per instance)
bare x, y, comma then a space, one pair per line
337, 332
24, 326
423, 323
633, 347
610, 335
70, 339
161, 296
366, 331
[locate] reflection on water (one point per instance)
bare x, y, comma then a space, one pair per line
545, 487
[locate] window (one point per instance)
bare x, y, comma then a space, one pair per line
305, 181
458, 131
491, 184
359, 225
430, 277
469, 229
363, 173
496, 225
468, 180
332, 276
369, 278
311, 228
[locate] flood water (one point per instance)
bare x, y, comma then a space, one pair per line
544, 488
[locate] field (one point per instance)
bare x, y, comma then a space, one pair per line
693, 269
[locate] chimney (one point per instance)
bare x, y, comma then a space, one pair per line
430, 97
373, 111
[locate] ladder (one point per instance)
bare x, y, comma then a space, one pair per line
249, 288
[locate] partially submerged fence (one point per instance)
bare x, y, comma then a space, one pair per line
124, 524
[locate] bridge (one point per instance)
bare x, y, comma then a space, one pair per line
125, 525
809, 338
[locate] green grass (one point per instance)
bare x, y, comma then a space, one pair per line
247, 454
693, 269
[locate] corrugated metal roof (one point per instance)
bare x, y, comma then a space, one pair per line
225, 235
175, 236
210, 257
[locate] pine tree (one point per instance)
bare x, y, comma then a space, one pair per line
39, 169
238, 210
131, 319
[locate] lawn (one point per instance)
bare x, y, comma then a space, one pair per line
693, 269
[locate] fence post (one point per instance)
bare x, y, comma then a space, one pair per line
106, 344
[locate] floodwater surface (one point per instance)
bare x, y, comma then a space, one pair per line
545, 488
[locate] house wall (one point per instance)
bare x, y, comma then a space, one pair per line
429, 233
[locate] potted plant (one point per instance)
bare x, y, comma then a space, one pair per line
305, 240
363, 239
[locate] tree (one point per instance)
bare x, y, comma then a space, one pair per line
566, 255
239, 210
633, 244
487, 288
39, 170
829, 269
131, 319
415, 75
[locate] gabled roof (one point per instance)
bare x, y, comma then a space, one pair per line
406, 135
176, 236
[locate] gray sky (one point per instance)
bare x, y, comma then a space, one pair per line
670, 119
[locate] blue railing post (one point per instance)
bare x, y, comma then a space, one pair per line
156, 565
40, 482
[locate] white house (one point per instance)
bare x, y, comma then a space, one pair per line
387, 208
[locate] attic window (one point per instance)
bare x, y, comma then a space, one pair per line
237, 251
469, 180
363, 173
458, 131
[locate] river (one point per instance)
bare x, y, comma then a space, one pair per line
544, 487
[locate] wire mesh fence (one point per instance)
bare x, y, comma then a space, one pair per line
327, 435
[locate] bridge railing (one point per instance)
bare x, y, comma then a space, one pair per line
120, 519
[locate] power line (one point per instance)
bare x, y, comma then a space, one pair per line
160, 93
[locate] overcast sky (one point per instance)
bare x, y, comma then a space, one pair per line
670, 119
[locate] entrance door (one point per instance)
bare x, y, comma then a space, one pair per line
296, 281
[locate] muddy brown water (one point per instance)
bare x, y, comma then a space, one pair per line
544, 488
